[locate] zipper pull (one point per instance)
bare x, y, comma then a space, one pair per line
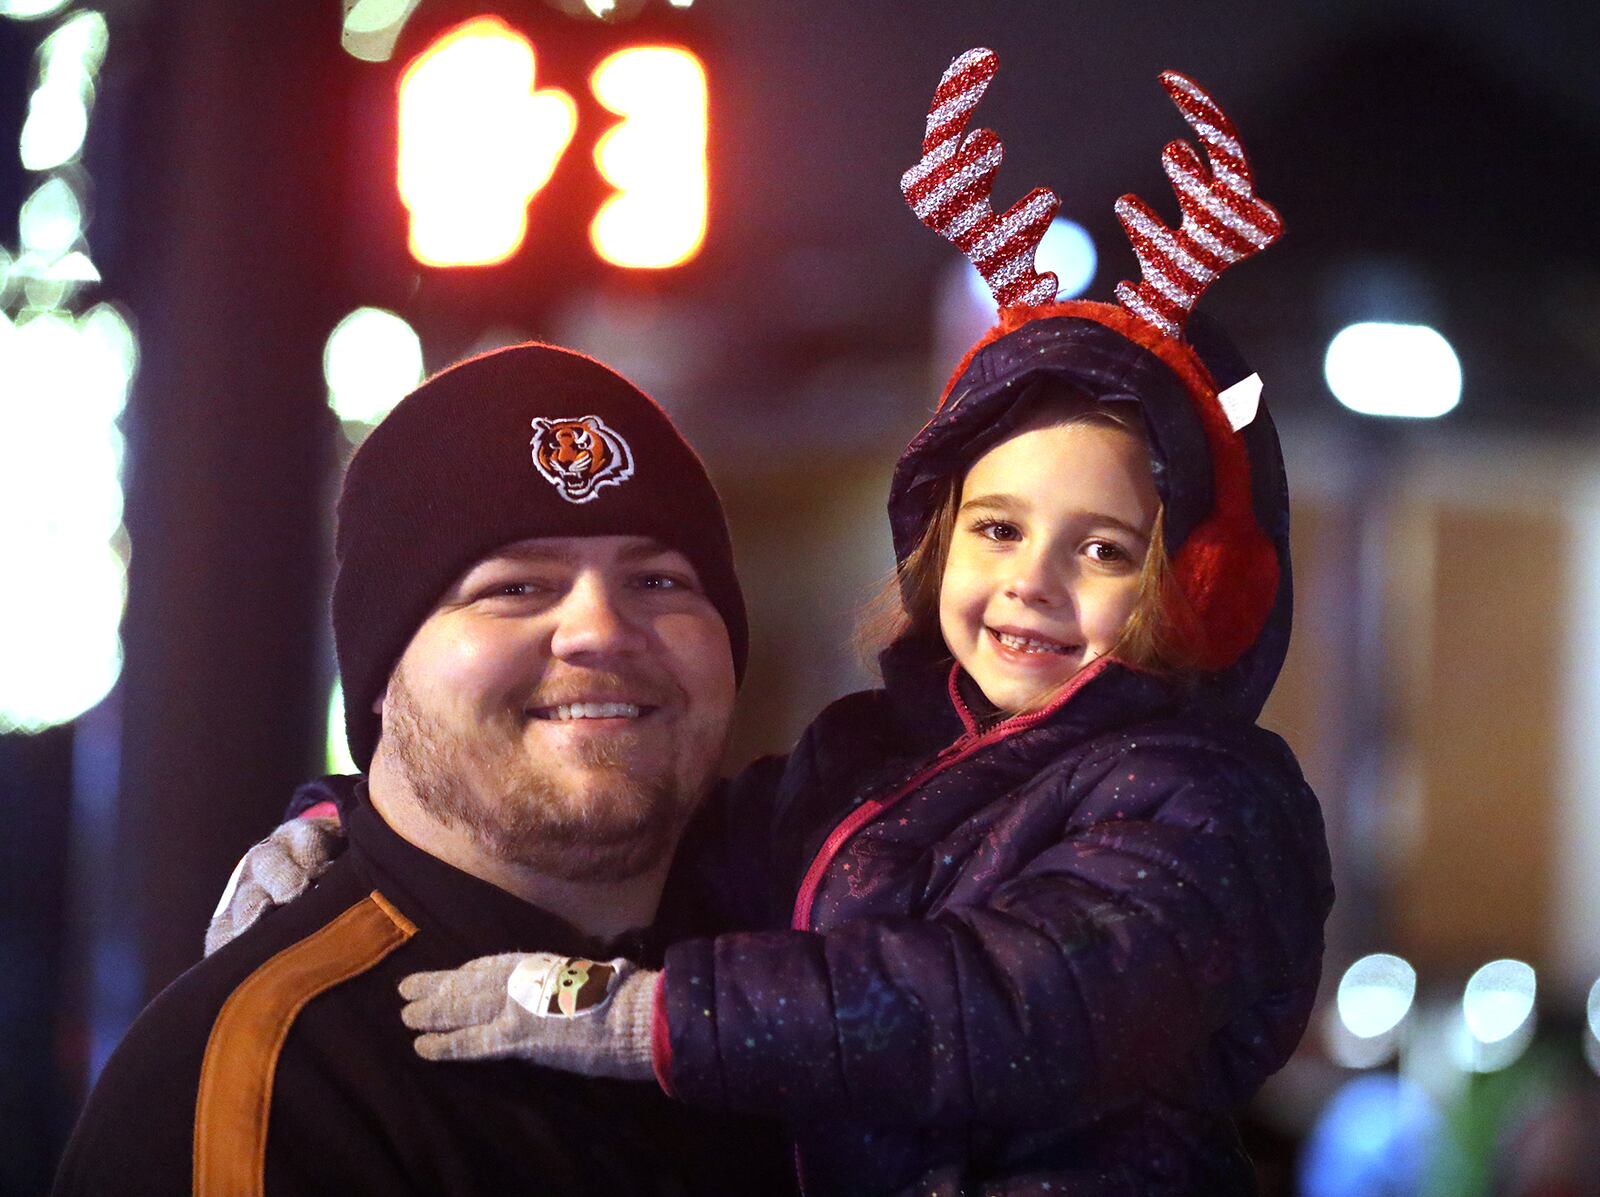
956, 747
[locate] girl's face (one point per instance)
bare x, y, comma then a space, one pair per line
1043, 570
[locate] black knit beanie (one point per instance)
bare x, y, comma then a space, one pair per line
528, 441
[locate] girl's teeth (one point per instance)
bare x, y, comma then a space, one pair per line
595, 710
1024, 644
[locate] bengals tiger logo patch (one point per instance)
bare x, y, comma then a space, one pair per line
580, 456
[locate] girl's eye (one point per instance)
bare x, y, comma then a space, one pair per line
999, 530
1107, 553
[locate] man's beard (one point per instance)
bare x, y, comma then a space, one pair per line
517, 811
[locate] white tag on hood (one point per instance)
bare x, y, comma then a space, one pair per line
1241, 401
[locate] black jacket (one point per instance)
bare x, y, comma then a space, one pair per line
280, 1065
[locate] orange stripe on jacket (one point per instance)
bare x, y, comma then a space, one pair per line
235, 1098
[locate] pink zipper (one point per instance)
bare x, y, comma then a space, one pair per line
958, 750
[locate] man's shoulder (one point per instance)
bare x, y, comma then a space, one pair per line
336, 925
192, 1077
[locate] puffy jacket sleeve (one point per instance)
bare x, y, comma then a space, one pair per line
1172, 944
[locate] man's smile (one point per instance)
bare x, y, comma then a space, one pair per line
567, 712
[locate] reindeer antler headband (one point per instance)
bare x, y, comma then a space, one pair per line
949, 189
1226, 567
1223, 219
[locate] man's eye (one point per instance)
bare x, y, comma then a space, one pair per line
523, 588
662, 582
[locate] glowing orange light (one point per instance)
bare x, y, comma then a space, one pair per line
655, 157
477, 142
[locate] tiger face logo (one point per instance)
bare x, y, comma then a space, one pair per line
580, 456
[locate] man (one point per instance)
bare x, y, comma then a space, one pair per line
539, 630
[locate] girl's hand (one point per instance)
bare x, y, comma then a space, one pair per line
583, 1016
275, 872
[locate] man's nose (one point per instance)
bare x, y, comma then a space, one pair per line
593, 620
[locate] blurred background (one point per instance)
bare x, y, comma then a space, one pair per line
232, 234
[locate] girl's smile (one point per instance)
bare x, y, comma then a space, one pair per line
1044, 562
1030, 644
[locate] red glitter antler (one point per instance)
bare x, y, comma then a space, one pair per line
1223, 221
949, 189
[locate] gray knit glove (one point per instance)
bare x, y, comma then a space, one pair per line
582, 1016
276, 871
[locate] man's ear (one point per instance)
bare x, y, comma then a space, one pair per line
377, 703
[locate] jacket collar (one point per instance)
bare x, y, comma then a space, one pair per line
935, 703
475, 917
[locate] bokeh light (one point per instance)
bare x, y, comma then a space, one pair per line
1497, 1015
1361, 1027
73, 267
337, 757
1066, 248
1399, 370
1375, 1136
51, 220
1498, 999
1591, 1038
58, 110
63, 384
1375, 994
372, 27
465, 101
655, 157
373, 358
29, 10
55, 128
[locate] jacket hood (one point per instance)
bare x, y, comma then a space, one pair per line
1226, 512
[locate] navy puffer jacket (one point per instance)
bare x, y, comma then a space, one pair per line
1047, 954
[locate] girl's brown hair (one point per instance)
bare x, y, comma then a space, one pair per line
906, 605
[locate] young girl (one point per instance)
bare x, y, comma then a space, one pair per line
1052, 904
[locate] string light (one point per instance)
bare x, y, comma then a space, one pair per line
64, 380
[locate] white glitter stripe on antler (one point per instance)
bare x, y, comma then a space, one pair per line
950, 189
960, 179
1202, 193
1173, 249
1036, 207
1135, 303
1223, 220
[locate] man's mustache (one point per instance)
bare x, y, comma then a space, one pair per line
601, 686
